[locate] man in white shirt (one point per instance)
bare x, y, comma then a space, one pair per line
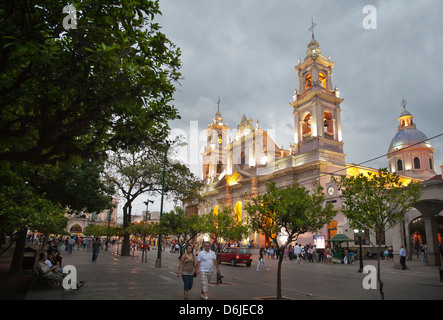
297, 252
402, 255
206, 260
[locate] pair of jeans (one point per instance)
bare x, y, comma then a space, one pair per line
94, 255
188, 281
262, 261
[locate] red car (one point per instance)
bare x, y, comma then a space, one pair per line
236, 255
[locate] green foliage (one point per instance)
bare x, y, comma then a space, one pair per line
68, 96
224, 226
99, 230
289, 211
376, 201
142, 229
105, 85
185, 227
21, 209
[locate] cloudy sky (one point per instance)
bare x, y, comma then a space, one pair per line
245, 51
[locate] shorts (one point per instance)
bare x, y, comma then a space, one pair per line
205, 277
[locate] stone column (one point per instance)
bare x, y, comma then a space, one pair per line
397, 242
433, 253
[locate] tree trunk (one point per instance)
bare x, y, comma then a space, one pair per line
17, 259
126, 222
380, 283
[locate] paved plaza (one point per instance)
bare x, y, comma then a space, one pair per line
114, 277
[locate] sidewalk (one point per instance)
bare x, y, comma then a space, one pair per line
114, 277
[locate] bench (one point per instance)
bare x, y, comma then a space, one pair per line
44, 281
29, 256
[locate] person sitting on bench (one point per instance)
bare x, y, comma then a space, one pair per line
47, 273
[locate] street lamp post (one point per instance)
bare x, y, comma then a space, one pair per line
158, 262
144, 255
107, 233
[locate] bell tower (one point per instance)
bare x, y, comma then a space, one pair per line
215, 155
316, 107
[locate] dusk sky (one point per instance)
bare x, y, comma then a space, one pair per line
245, 52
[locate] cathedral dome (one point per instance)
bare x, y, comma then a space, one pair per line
407, 137
410, 152
407, 134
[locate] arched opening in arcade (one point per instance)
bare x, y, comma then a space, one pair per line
424, 227
76, 229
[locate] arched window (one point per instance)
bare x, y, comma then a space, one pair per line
416, 163
399, 165
328, 127
430, 164
306, 125
322, 80
308, 81
238, 211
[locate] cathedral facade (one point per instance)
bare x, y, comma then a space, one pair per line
236, 169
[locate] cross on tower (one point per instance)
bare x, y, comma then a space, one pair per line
218, 103
403, 103
312, 26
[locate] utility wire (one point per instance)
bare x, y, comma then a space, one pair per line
370, 160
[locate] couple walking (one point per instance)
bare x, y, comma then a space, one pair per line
189, 268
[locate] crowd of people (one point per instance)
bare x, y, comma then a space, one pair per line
307, 252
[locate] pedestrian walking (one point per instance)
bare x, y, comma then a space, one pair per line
96, 246
70, 244
206, 260
386, 254
315, 253
424, 253
402, 255
261, 259
345, 256
297, 251
310, 254
390, 253
187, 268
328, 255
417, 248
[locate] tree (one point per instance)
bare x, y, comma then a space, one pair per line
37, 196
140, 170
143, 229
22, 209
79, 186
288, 212
376, 201
105, 85
71, 95
225, 227
184, 226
